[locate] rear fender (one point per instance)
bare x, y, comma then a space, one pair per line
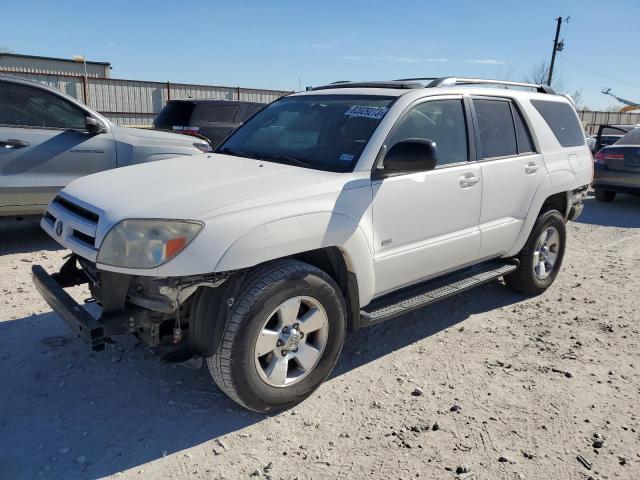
559, 181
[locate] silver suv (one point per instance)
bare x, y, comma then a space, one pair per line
47, 139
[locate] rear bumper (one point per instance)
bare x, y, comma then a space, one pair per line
91, 330
632, 189
615, 180
575, 203
575, 211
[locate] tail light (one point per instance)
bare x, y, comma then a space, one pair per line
186, 130
603, 155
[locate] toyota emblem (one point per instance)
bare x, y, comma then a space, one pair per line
58, 227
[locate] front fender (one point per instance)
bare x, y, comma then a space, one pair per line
293, 235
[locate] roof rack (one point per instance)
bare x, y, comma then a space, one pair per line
375, 84
453, 81
413, 83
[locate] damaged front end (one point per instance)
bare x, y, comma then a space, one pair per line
156, 310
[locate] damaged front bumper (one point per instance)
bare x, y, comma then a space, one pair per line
90, 329
139, 305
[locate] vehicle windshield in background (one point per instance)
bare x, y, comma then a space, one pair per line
631, 138
324, 132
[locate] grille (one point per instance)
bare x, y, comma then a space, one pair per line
72, 225
77, 209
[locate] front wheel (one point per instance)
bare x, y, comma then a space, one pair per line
541, 257
283, 337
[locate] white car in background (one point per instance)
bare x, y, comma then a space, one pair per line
48, 139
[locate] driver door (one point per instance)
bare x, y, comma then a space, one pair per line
44, 145
427, 223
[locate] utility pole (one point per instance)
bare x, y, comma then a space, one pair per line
557, 47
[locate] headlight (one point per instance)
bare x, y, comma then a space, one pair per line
146, 243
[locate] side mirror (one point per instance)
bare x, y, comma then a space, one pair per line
411, 155
94, 126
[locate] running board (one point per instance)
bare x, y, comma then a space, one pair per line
432, 291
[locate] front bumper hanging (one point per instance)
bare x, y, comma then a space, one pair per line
87, 327
95, 332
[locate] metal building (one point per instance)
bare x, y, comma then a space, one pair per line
33, 64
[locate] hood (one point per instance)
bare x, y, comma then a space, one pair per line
141, 136
198, 187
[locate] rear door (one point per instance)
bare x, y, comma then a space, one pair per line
511, 172
43, 146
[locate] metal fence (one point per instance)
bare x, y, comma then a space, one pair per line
135, 102
591, 120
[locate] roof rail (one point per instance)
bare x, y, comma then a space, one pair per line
373, 84
453, 81
413, 83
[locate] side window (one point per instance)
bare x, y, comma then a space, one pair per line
563, 121
525, 144
442, 121
497, 131
24, 106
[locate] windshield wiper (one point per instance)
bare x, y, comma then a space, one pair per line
236, 153
276, 157
287, 159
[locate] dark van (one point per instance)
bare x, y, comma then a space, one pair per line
212, 119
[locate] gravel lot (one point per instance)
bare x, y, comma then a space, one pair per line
491, 382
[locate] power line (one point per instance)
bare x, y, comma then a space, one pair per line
598, 73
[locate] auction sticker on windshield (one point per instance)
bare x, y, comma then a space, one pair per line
366, 111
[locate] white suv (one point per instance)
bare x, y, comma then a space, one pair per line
328, 211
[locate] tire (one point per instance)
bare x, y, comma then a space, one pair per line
530, 277
263, 297
604, 195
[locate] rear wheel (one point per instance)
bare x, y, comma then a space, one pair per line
604, 195
283, 338
541, 257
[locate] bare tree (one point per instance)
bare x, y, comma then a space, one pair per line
540, 74
504, 73
577, 99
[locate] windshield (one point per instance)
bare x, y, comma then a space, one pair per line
324, 132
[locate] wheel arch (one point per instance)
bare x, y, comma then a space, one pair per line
552, 194
335, 263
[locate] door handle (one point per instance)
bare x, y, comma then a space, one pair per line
532, 167
13, 143
468, 180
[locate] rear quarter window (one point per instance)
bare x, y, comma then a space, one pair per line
563, 122
174, 114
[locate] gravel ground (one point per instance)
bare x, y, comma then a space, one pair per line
490, 385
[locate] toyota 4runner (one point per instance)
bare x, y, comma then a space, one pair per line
328, 211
